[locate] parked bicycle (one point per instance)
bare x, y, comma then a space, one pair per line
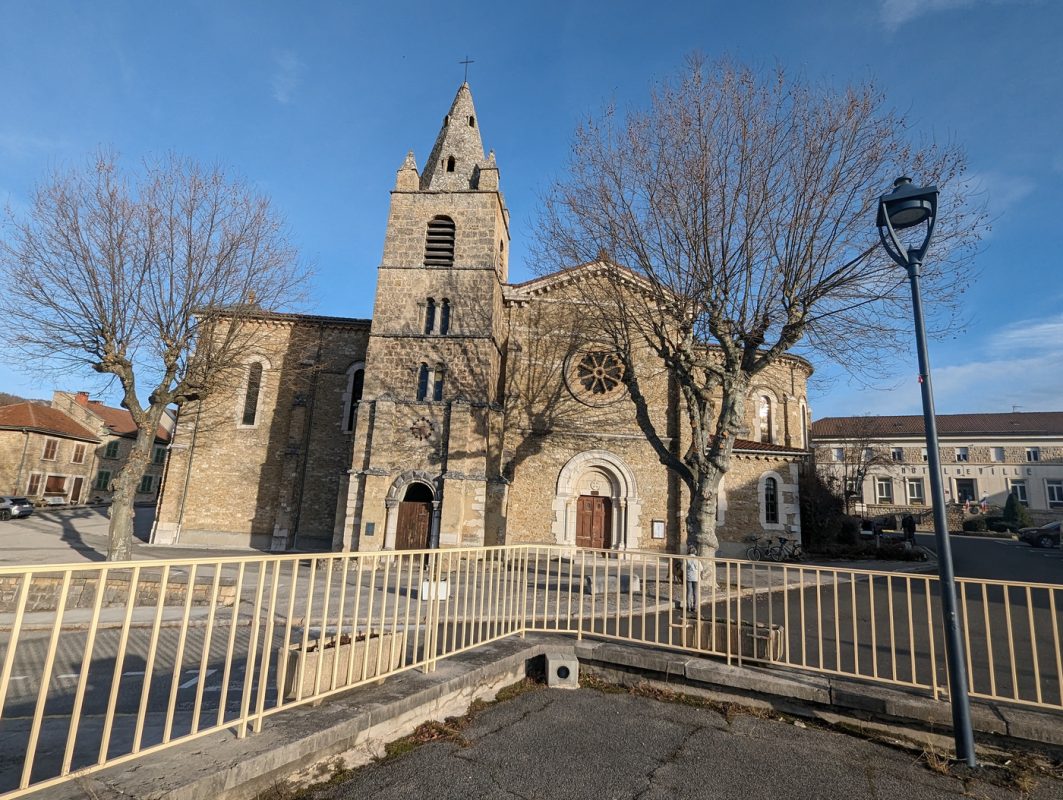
786, 550
758, 551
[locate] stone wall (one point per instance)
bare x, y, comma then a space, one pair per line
45, 590
272, 484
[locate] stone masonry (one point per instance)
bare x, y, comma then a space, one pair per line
471, 414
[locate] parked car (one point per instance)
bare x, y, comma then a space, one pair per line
1045, 536
11, 506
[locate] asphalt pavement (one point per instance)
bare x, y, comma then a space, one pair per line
1001, 559
550, 744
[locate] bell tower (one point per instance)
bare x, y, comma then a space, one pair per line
429, 422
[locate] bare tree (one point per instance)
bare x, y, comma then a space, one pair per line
861, 452
144, 278
741, 206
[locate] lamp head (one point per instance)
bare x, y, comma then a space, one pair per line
906, 207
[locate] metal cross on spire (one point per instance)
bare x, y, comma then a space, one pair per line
466, 62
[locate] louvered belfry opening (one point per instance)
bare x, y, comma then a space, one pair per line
439, 244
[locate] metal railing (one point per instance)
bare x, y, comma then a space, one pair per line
102, 663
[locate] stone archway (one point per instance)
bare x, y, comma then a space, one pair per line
604, 475
409, 489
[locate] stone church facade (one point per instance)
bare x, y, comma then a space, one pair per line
469, 411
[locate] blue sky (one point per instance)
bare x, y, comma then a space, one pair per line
318, 102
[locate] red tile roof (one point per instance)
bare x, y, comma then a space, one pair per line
765, 447
120, 421
43, 419
1020, 423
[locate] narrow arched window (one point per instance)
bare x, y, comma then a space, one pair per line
444, 316
437, 387
764, 413
771, 500
422, 382
439, 243
254, 386
472, 122
355, 382
804, 424
450, 164
429, 315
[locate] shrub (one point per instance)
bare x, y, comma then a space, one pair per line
850, 531
1016, 513
1000, 525
976, 524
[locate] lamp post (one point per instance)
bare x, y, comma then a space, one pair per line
908, 206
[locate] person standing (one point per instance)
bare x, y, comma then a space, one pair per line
908, 526
693, 575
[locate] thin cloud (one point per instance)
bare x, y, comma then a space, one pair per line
1001, 190
895, 13
287, 76
1020, 365
14, 144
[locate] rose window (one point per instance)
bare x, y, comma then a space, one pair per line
595, 377
599, 373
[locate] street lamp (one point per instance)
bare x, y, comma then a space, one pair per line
908, 206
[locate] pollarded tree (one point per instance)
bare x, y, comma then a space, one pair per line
145, 278
741, 206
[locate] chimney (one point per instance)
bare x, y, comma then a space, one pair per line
82, 399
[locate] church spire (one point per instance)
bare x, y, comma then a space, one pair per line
458, 152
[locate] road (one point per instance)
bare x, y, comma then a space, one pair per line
1001, 559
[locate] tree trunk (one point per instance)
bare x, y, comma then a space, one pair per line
701, 524
120, 531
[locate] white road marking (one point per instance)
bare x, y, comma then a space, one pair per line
141, 672
195, 680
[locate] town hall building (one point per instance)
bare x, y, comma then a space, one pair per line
468, 411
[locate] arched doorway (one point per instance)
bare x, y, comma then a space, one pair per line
414, 524
597, 503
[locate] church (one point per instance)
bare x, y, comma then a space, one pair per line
468, 411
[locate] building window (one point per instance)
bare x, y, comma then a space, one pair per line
429, 315
922, 454
160, 455
439, 243
437, 383
51, 447
355, 382
764, 415
472, 122
962, 454
771, 500
422, 382
997, 454
55, 484
79, 454
804, 424
838, 454
915, 492
254, 386
103, 480
884, 491
1033, 453
450, 164
146, 484
111, 450
1054, 490
33, 488
1018, 488
897, 454
966, 490
444, 317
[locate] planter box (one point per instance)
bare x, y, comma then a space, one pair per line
386, 648
761, 642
